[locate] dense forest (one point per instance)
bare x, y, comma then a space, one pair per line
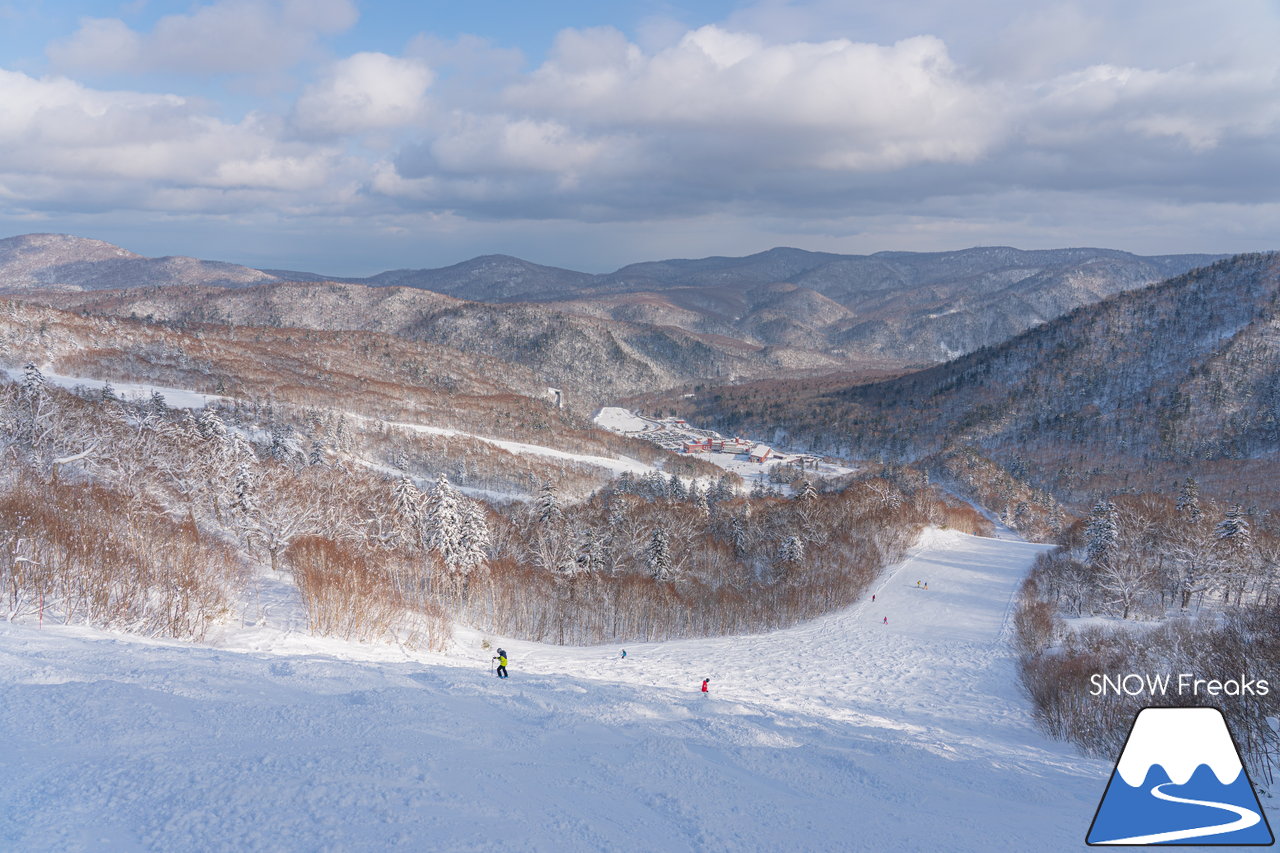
145, 517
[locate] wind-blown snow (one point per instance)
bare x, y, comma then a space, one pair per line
1179, 740
840, 734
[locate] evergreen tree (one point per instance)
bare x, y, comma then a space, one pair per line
1056, 519
807, 494
157, 406
280, 448
476, 537
658, 555
1233, 531
1102, 531
591, 551
549, 511
33, 382
791, 554
406, 503
739, 534
210, 425
443, 523
243, 500
676, 489
723, 490
1189, 500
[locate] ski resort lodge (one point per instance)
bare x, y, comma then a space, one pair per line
759, 453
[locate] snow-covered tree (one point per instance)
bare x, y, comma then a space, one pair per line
1102, 531
210, 425
658, 555
1189, 500
476, 538
591, 551
676, 489
739, 534
806, 494
1056, 518
406, 501
700, 503
791, 553
443, 524
281, 448
244, 500
723, 490
1233, 531
33, 381
549, 511
156, 405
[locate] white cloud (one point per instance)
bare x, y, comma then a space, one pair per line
367, 91
842, 104
228, 36
67, 137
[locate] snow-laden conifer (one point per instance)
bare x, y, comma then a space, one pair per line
476, 538
1102, 531
1189, 500
549, 511
658, 555
443, 524
791, 553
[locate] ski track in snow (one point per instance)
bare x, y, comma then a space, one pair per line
839, 734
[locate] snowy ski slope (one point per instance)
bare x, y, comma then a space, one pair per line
840, 734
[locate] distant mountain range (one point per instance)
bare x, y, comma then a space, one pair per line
648, 325
1139, 389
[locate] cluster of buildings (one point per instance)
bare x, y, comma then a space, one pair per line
755, 452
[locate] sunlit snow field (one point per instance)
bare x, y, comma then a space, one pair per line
845, 733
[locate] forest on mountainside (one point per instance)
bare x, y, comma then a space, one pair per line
1182, 585
138, 516
1131, 393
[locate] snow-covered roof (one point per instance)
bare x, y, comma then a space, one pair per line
760, 450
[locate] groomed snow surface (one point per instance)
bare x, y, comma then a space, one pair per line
844, 733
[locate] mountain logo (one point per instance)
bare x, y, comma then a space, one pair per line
1179, 780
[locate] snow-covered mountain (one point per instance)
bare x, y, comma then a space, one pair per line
780, 310
1178, 372
62, 262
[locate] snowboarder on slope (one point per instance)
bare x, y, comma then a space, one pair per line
705, 682
502, 663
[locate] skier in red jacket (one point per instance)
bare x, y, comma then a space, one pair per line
704, 685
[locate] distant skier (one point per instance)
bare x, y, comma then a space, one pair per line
502, 663
917, 583
705, 682
624, 654
886, 620
926, 584
873, 598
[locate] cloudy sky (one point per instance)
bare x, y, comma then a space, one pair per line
349, 137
